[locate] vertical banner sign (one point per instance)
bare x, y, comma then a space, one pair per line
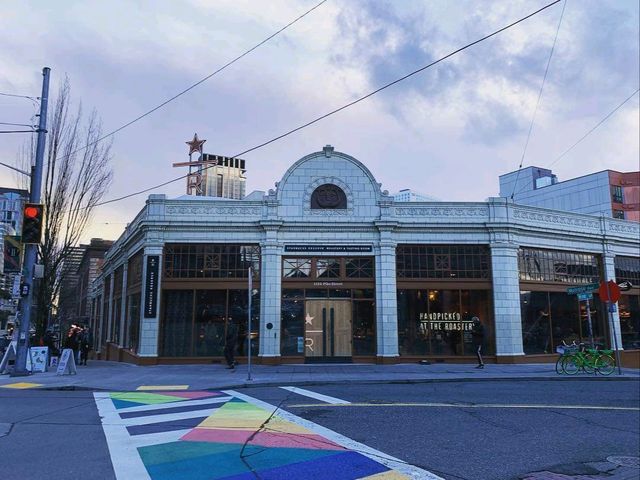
151, 287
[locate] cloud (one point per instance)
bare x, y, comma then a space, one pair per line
449, 131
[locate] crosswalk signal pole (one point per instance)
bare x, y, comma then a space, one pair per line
31, 250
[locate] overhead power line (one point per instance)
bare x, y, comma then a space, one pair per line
228, 64
594, 128
332, 112
604, 119
535, 110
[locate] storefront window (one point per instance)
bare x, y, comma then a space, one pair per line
629, 308
292, 323
557, 266
628, 270
536, 322
328, 268
475, 303
177, 326
359, 267
238, 313
211, 260
210, 315
439, 322
202, 332
115, 323
549, 318
296, 268
443, 261
134, 322
364, 328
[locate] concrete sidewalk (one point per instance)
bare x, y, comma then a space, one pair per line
114, 376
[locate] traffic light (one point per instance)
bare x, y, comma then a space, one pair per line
32, 222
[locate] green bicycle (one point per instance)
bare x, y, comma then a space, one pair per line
576, 357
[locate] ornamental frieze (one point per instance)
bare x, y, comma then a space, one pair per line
622, 228
440, 212
200, 210
557, 219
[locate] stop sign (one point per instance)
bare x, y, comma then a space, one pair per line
609, 291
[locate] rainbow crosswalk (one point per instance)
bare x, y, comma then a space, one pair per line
225, 435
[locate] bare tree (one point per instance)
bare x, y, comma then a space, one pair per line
77, 174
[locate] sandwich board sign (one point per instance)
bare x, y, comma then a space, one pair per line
9, 359
39, 358
67, 363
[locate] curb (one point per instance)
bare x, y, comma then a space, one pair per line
302, 383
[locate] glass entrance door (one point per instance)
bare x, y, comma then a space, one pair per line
328, 333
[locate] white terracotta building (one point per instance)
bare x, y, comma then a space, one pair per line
342, 272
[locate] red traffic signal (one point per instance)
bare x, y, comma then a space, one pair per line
32, 222
31, 211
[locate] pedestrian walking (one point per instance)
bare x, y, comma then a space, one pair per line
86, 340
231, 340
477, 334
73, 342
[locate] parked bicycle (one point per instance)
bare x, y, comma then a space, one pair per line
576, 357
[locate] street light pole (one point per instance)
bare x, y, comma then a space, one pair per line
31, 250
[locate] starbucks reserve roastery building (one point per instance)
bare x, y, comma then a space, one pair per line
342, 272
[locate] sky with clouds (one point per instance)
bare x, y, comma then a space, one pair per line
448, 132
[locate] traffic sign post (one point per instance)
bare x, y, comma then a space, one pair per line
610, 293
589, 288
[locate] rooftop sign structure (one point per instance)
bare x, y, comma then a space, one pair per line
213, 175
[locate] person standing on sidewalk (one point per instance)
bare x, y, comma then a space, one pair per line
477, 334
86, 340
230, 344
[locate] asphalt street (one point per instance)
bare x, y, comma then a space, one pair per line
488, 430
52, 434
456, 430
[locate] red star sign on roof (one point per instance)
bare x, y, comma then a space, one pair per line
195, 145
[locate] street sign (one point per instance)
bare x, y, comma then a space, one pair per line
585, 296
625, 286
609, 291
582, 289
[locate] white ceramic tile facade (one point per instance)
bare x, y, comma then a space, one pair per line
372, 218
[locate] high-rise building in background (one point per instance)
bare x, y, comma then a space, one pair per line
225, 178
11, 203
610, 193
408, 195
213, 175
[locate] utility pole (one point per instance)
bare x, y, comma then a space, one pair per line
31, 250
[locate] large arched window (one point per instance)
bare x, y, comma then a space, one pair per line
328, 196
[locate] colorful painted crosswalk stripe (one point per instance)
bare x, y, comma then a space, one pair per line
168, 435
21, 385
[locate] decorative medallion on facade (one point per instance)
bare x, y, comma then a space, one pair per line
328, 196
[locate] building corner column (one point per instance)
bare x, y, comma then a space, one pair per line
386, 300
150, 301
270, 299
506, 300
